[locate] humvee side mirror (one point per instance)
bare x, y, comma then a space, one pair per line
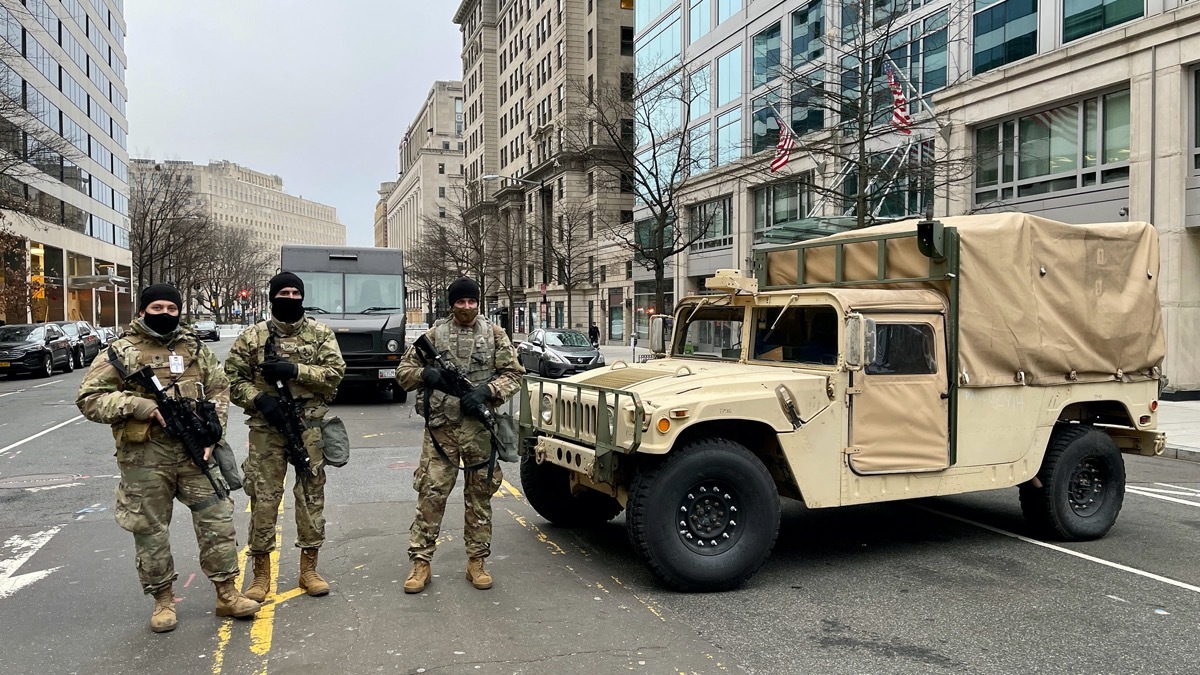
658, 330
860, 341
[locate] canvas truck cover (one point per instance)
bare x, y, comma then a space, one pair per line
1037, 298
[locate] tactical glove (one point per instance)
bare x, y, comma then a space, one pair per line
432, 378
271, 410
472, 402
278, 371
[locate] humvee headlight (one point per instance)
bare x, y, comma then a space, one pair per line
393, 346
664, 425
612, 422
547, 411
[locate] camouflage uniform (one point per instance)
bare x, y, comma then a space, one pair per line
155, 469
311, 345
485, 354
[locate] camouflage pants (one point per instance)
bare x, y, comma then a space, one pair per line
266, 469
153, 476
434, 479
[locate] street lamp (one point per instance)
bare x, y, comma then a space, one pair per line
545, 232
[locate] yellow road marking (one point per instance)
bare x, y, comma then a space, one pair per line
263, 629
509, 486
555, 549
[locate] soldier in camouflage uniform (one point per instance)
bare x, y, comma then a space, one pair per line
155, 468
311, 366
485, 354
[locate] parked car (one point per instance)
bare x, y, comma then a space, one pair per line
207, 330
558, 352
35, 349
85, 343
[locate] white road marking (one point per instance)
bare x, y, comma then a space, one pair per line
1160, 491
1060, 549
11, 393
51, 487
46, 384
1180, 487
23, 549
40, 434
1165, 498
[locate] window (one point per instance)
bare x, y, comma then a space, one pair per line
712, 332
442, 192
1079, 145
700, 94
764, 133
729, 136
441, 212
591, 183
561, 191
1196, 120
727, 8
799, 335
591, 269
647, 10
441, 168
711, 224
699, 149
699, 20
781, 204
808, 112
445, 145
628, 269
589, 45
729, 77
1004, 33
1084, 17
591, 224
628, 86
808, 29
603, 273
626, 40
660, 48
765, 56
904, 349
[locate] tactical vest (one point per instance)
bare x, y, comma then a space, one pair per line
136, 351
473, 350
297, 347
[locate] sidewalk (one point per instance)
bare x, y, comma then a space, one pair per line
1180, 420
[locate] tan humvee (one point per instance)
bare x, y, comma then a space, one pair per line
894, 362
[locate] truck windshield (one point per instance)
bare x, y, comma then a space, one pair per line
352, 293
711, 332
801, 335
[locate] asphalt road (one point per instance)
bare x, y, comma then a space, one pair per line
937, 586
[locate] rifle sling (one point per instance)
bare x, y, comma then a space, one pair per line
490, 462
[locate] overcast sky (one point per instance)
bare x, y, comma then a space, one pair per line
317, 92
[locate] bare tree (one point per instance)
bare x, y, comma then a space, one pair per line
241, 265
571, 238
637, 136
842, 105
428, 268
168, 222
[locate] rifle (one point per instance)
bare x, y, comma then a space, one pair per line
297, 454
185, 422
457, 385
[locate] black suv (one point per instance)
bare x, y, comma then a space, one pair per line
36, 349
85, 341
207, 330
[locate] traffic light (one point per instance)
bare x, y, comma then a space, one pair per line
244, 294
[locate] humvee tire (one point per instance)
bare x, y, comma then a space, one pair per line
706, 518
1083, 485
548, 489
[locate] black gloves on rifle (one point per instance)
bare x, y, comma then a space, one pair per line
473, 401
432, 379
277, 371
273, 412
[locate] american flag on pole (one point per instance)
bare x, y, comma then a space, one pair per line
783, 149
900, 117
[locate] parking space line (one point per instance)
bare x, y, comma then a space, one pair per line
46, 384
1060, 549
1180, 487
40, 434
1165, 498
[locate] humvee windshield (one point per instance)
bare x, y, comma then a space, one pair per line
711, 332
802, 335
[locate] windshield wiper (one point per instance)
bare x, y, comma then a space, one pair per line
779, 318
378, 309
315, 309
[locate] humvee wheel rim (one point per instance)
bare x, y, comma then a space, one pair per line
708, 517
1085, 492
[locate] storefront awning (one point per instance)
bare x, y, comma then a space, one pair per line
95, 281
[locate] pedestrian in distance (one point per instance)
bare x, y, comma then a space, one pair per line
594, 334
294, 356
155, 467
454, 433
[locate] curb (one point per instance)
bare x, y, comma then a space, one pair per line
1181, 453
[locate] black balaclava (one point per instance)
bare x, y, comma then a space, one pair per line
163, 324
459, 289
287, 310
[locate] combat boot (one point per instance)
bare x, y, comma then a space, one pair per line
418, 577
163, 618
478, 576
310, 581
261, 584
231, 602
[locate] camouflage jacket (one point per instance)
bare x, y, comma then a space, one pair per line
307, 343
105, 397
482, 352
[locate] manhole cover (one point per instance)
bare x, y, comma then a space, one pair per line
37, 480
